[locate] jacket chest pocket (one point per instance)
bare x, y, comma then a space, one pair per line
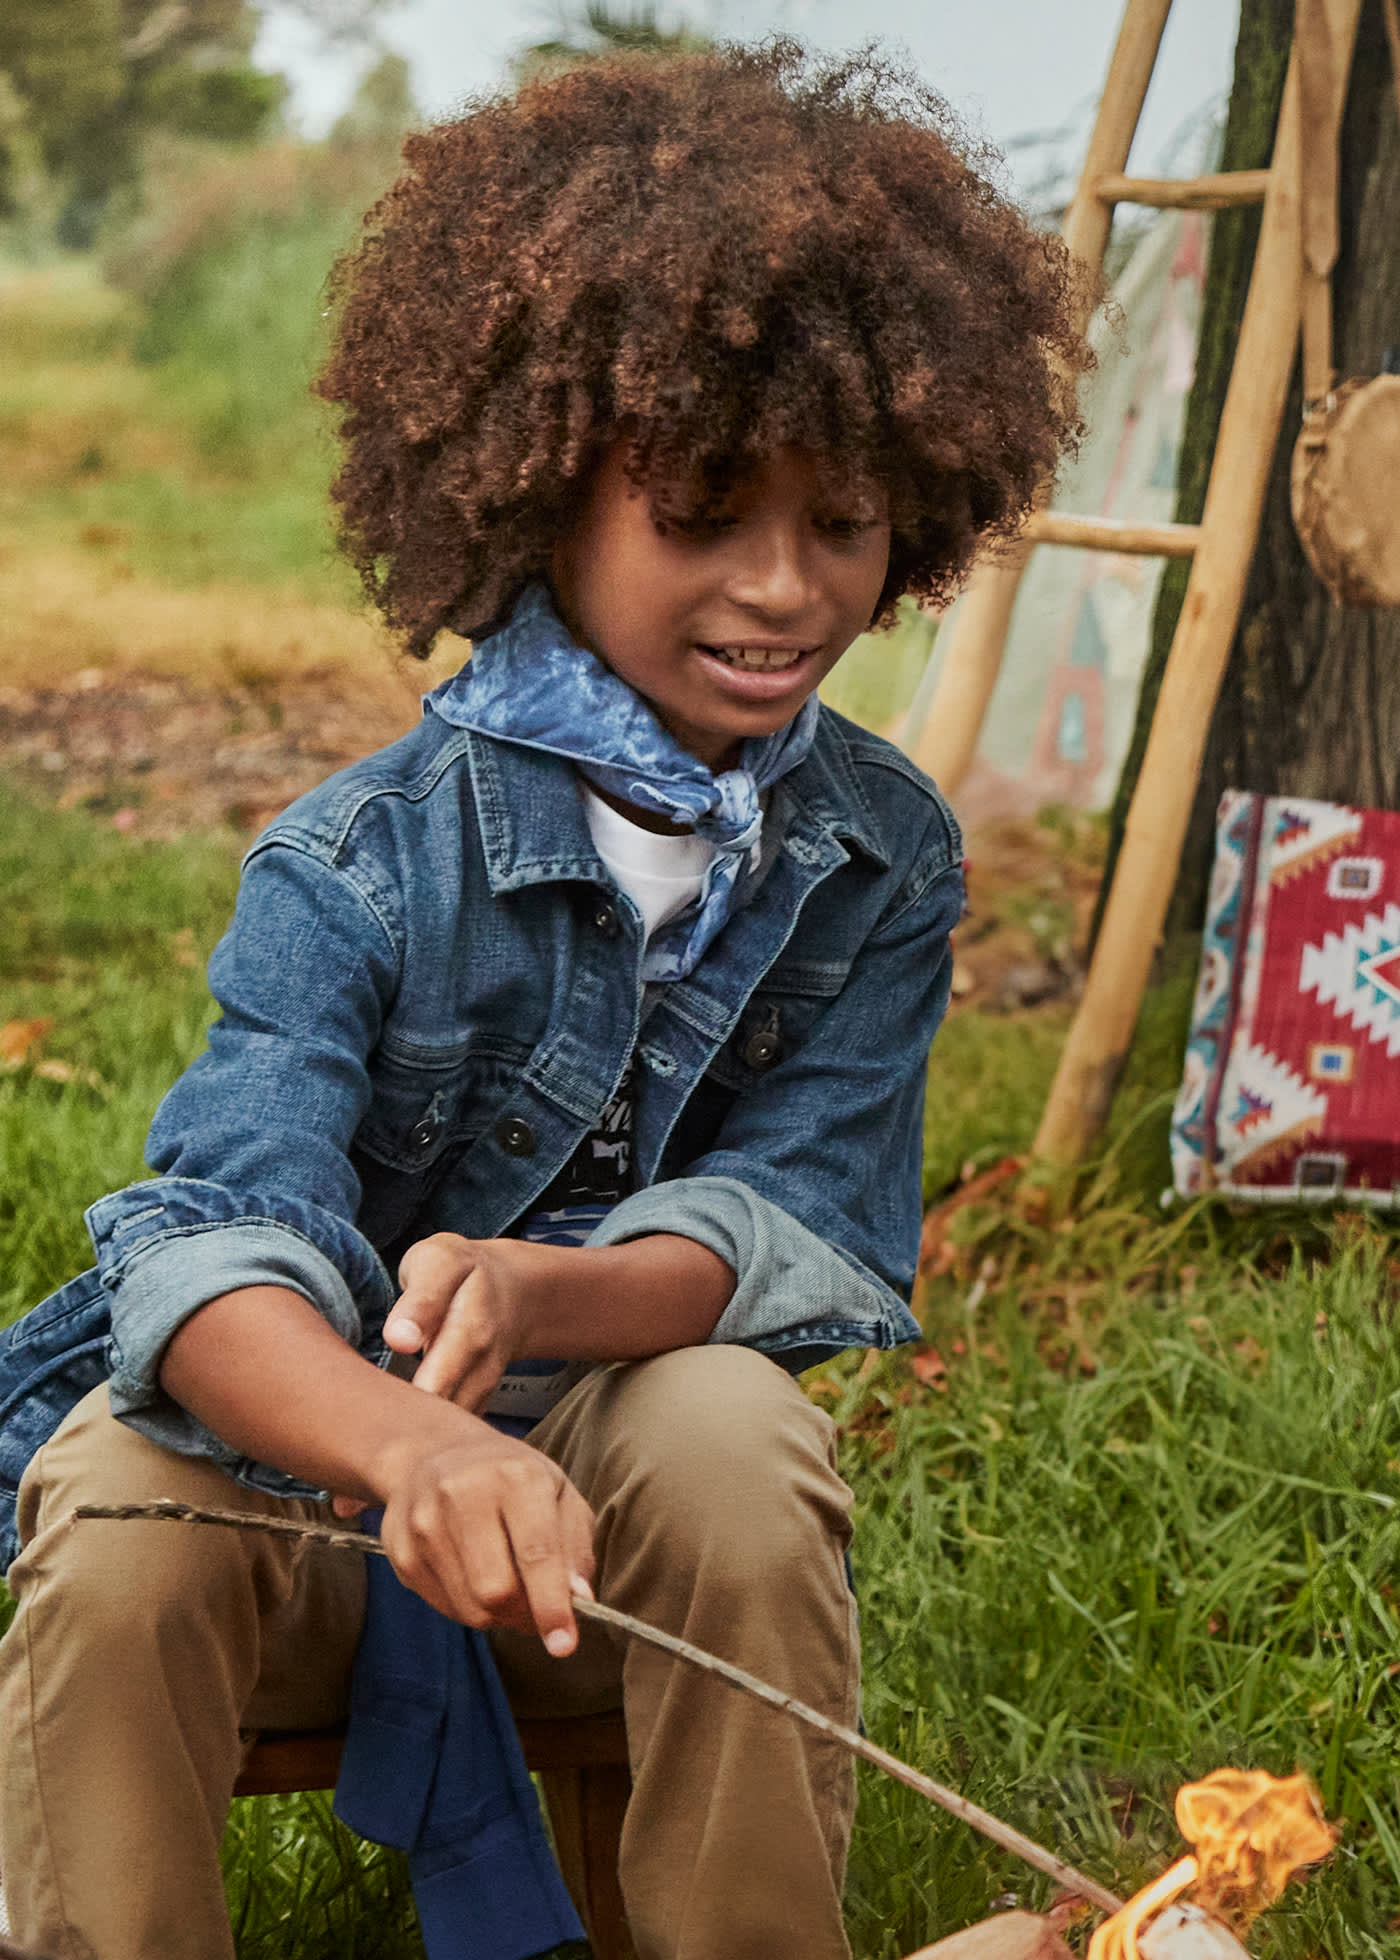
776, 1021
427, 1105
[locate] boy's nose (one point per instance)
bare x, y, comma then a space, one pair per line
772, 576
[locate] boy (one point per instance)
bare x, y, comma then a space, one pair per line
596, 1008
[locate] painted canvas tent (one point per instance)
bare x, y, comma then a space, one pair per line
1062, 714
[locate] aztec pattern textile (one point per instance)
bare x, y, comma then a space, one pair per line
1291, 1087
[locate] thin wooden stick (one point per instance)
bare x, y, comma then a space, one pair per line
970, 1813
591, 1609
169, 1508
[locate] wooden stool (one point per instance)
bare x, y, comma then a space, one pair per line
582, 1764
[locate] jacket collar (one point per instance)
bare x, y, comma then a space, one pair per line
827, 787
534, 830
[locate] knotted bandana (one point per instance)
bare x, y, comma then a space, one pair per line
532, 683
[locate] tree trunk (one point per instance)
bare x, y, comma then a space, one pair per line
1311, 699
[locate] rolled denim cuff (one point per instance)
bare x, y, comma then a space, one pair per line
172, 1277
796, 1297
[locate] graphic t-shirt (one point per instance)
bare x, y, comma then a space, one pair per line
662, 873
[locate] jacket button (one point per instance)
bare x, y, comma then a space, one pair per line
605, 919
761, 1049
516, 1137
425, 1133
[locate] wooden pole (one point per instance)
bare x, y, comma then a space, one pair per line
975, 636
1216, 192
1161, 806
1112, 534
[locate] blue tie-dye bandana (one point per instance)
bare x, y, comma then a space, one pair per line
531, 683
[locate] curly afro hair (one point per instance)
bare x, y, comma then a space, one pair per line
711, 255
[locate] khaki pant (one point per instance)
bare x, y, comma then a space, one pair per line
141, 1649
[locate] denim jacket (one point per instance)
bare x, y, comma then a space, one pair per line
430, 990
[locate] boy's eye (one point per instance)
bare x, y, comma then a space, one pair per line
844, 528
700, 526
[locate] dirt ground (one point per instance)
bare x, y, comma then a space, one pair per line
158, 756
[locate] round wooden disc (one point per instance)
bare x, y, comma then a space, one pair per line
1346, 493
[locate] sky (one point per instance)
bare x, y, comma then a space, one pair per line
1011, 67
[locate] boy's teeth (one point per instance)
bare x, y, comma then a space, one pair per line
758, 656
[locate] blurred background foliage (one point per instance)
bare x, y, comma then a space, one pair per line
165, 236
165, 239
85, 85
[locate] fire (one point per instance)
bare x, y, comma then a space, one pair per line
1250, 1833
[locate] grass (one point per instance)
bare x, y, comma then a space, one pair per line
1134, 1517
104, 940
163, 474
300, 1884
157, 512
150, 446
1131, 1513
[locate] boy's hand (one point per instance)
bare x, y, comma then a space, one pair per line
468, 1306
490, 1532
484, 1527
472, 1306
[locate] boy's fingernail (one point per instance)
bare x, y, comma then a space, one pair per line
578, 1584
406, 1331
559, 1643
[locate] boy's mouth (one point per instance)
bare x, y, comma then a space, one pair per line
758, 660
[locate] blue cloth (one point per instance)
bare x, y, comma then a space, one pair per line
532, 683
432, 1764
354, 1093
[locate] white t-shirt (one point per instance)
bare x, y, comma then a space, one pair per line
660, 871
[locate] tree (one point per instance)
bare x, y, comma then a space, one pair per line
84, 83
95, 75
1311, 700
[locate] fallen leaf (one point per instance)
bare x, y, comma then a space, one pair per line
935, 1246
17, 1038
930, 1368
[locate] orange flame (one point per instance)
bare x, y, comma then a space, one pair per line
1250, 1832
